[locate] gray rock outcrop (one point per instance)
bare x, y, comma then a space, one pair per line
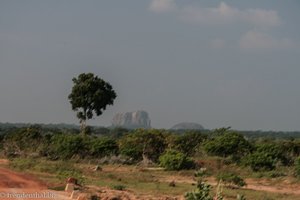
132, 120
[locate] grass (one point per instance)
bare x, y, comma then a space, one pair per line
56, 171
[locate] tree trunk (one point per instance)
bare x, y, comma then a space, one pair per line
83, 122
82, 126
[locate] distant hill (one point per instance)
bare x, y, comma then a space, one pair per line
187, 126
20, 125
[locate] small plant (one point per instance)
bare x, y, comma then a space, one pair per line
201, 193
202, 172
203, 189
240, 197
118, 187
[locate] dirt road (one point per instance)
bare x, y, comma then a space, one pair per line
19, 186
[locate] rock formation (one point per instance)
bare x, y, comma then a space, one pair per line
132, 120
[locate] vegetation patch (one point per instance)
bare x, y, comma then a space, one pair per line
231, 179
175, 160
118, 187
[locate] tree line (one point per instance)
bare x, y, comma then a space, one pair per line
162, 147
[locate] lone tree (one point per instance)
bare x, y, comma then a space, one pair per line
90, 95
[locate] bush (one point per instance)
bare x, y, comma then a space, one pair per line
66, 146
231, 179
174, 160
228, 144
189, 142
297, 166
1, 142
259, 161
143, 143
275, 151
101, 147
23, 141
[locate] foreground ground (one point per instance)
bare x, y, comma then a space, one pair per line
20, 186
138, 183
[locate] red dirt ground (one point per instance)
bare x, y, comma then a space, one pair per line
15, 185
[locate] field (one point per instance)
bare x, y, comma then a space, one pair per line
150, 164
136, 182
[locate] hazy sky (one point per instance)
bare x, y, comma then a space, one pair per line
217, 63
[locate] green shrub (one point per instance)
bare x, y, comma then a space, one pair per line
259, 161
23, 141
101, 147
118, 187
273, 150
1, 142
297, 166
189, 142
66, 146
174, 160
143, 143
228, 144
231, 179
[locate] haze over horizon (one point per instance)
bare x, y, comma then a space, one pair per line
216, 63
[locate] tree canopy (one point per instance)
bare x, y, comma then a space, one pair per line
228, 144
90, 95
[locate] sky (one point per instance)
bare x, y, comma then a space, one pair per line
217, 63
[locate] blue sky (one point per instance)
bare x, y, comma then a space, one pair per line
217, 63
